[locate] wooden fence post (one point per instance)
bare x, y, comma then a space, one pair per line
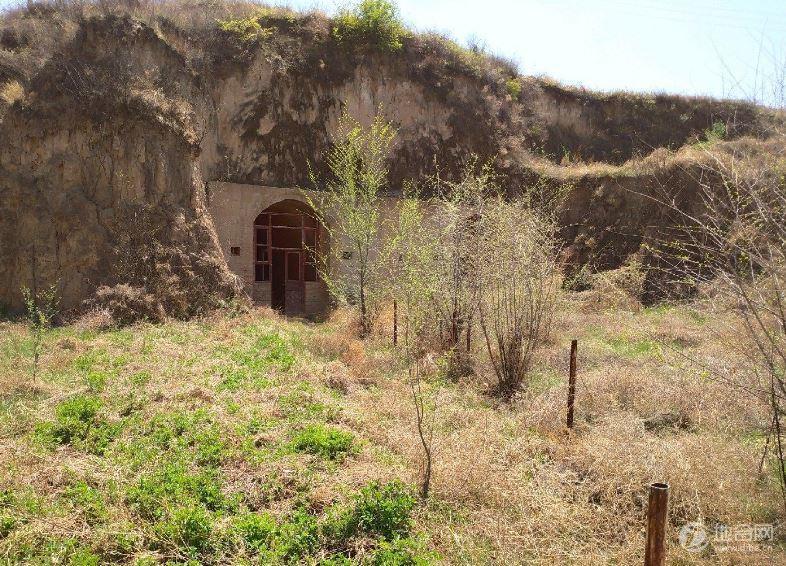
656, 525
395, 322
572, 382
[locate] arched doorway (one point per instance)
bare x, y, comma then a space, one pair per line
287, 236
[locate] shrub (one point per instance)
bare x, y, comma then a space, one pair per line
327, 442
372, 22
246, 29
513, 86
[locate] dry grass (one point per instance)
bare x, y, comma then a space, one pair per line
510, 485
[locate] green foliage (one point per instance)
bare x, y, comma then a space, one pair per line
187, 529
348, 208
183, 433
716, 133
631, 348
257, 530
252, 364
7, 524
513, 86
171, 486
246, 29
324, 441
298, 537
384, 509
403, 552
88, 501
375, 23
77, 422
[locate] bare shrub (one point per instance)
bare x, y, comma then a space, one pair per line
520, 283
736, 245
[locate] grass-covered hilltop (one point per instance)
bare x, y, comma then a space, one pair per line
283, 288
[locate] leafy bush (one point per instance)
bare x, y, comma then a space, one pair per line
372, 22
328, 442
77, 423
246, 29
513, 86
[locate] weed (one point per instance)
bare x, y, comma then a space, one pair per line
252, 364
77, 422
88, 501
171, 486
257, 530
403, 552
384, 509
374, 23
513, 86
187, 529
246, 29
324, 441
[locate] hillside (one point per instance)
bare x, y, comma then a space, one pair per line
257, 440
112, 107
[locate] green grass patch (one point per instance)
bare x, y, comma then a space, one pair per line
324, 441
78, 423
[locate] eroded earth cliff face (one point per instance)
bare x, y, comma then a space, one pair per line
121, 126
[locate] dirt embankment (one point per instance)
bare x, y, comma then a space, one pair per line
122, 116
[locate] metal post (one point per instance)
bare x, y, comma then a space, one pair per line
572, 382
656, 525
395, 322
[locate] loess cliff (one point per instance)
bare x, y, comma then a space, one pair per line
115, 118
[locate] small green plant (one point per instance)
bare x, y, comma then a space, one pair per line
324, 441
188, 530
171, 486
298, 537
77, 422
246, 29
403, 552
513, 86
40, 311
88, 501
371, 22
257, 530
716, 133
385, 509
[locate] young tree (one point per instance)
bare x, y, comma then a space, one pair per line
40, 311
348, 206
